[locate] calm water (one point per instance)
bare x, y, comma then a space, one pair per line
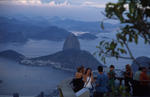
28, 80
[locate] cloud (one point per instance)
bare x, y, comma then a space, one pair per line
30, 2
59, 3
46, 1
35, 3
54, 4
93, 4
21, 2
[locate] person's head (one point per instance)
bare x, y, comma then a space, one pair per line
112, 67
82, 69
79, 69
128, 67
88, 71
100, 68
140, 69
144, 69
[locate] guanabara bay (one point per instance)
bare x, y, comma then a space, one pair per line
74, 48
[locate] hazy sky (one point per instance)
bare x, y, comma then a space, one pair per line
89, 10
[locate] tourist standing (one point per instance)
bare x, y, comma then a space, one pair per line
111, 75
148, 72
136, 82
78, 82
128, 77
101, 83
144, 80
88, 80
149, 79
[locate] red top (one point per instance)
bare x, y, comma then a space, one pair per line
144, 78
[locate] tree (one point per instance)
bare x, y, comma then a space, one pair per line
134, 15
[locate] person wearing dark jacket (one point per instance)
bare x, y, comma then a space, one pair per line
128, 77
78, 82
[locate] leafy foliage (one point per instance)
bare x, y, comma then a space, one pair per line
134, 16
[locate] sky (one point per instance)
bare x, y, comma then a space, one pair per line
87, 10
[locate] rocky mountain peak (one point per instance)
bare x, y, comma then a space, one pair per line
71, 42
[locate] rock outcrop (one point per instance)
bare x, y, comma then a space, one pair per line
12, 55
67, 59
140, 61
71, 42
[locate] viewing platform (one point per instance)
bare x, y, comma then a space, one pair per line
65, 90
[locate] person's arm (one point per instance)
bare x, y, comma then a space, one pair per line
84, 78
107, 78
128, 75
115, 75
76, 75
108, 74
141, 77
131, 75
92, 78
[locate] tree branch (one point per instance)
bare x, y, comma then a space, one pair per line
130, 53
122, 57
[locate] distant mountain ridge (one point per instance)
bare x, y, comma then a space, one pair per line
21, 29
94, 27
75, 25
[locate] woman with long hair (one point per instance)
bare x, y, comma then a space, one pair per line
88, 80
78, 82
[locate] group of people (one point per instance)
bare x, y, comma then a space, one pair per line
141, 82
137, 84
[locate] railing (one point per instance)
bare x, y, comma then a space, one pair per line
65, 90
17, 95
14, 96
